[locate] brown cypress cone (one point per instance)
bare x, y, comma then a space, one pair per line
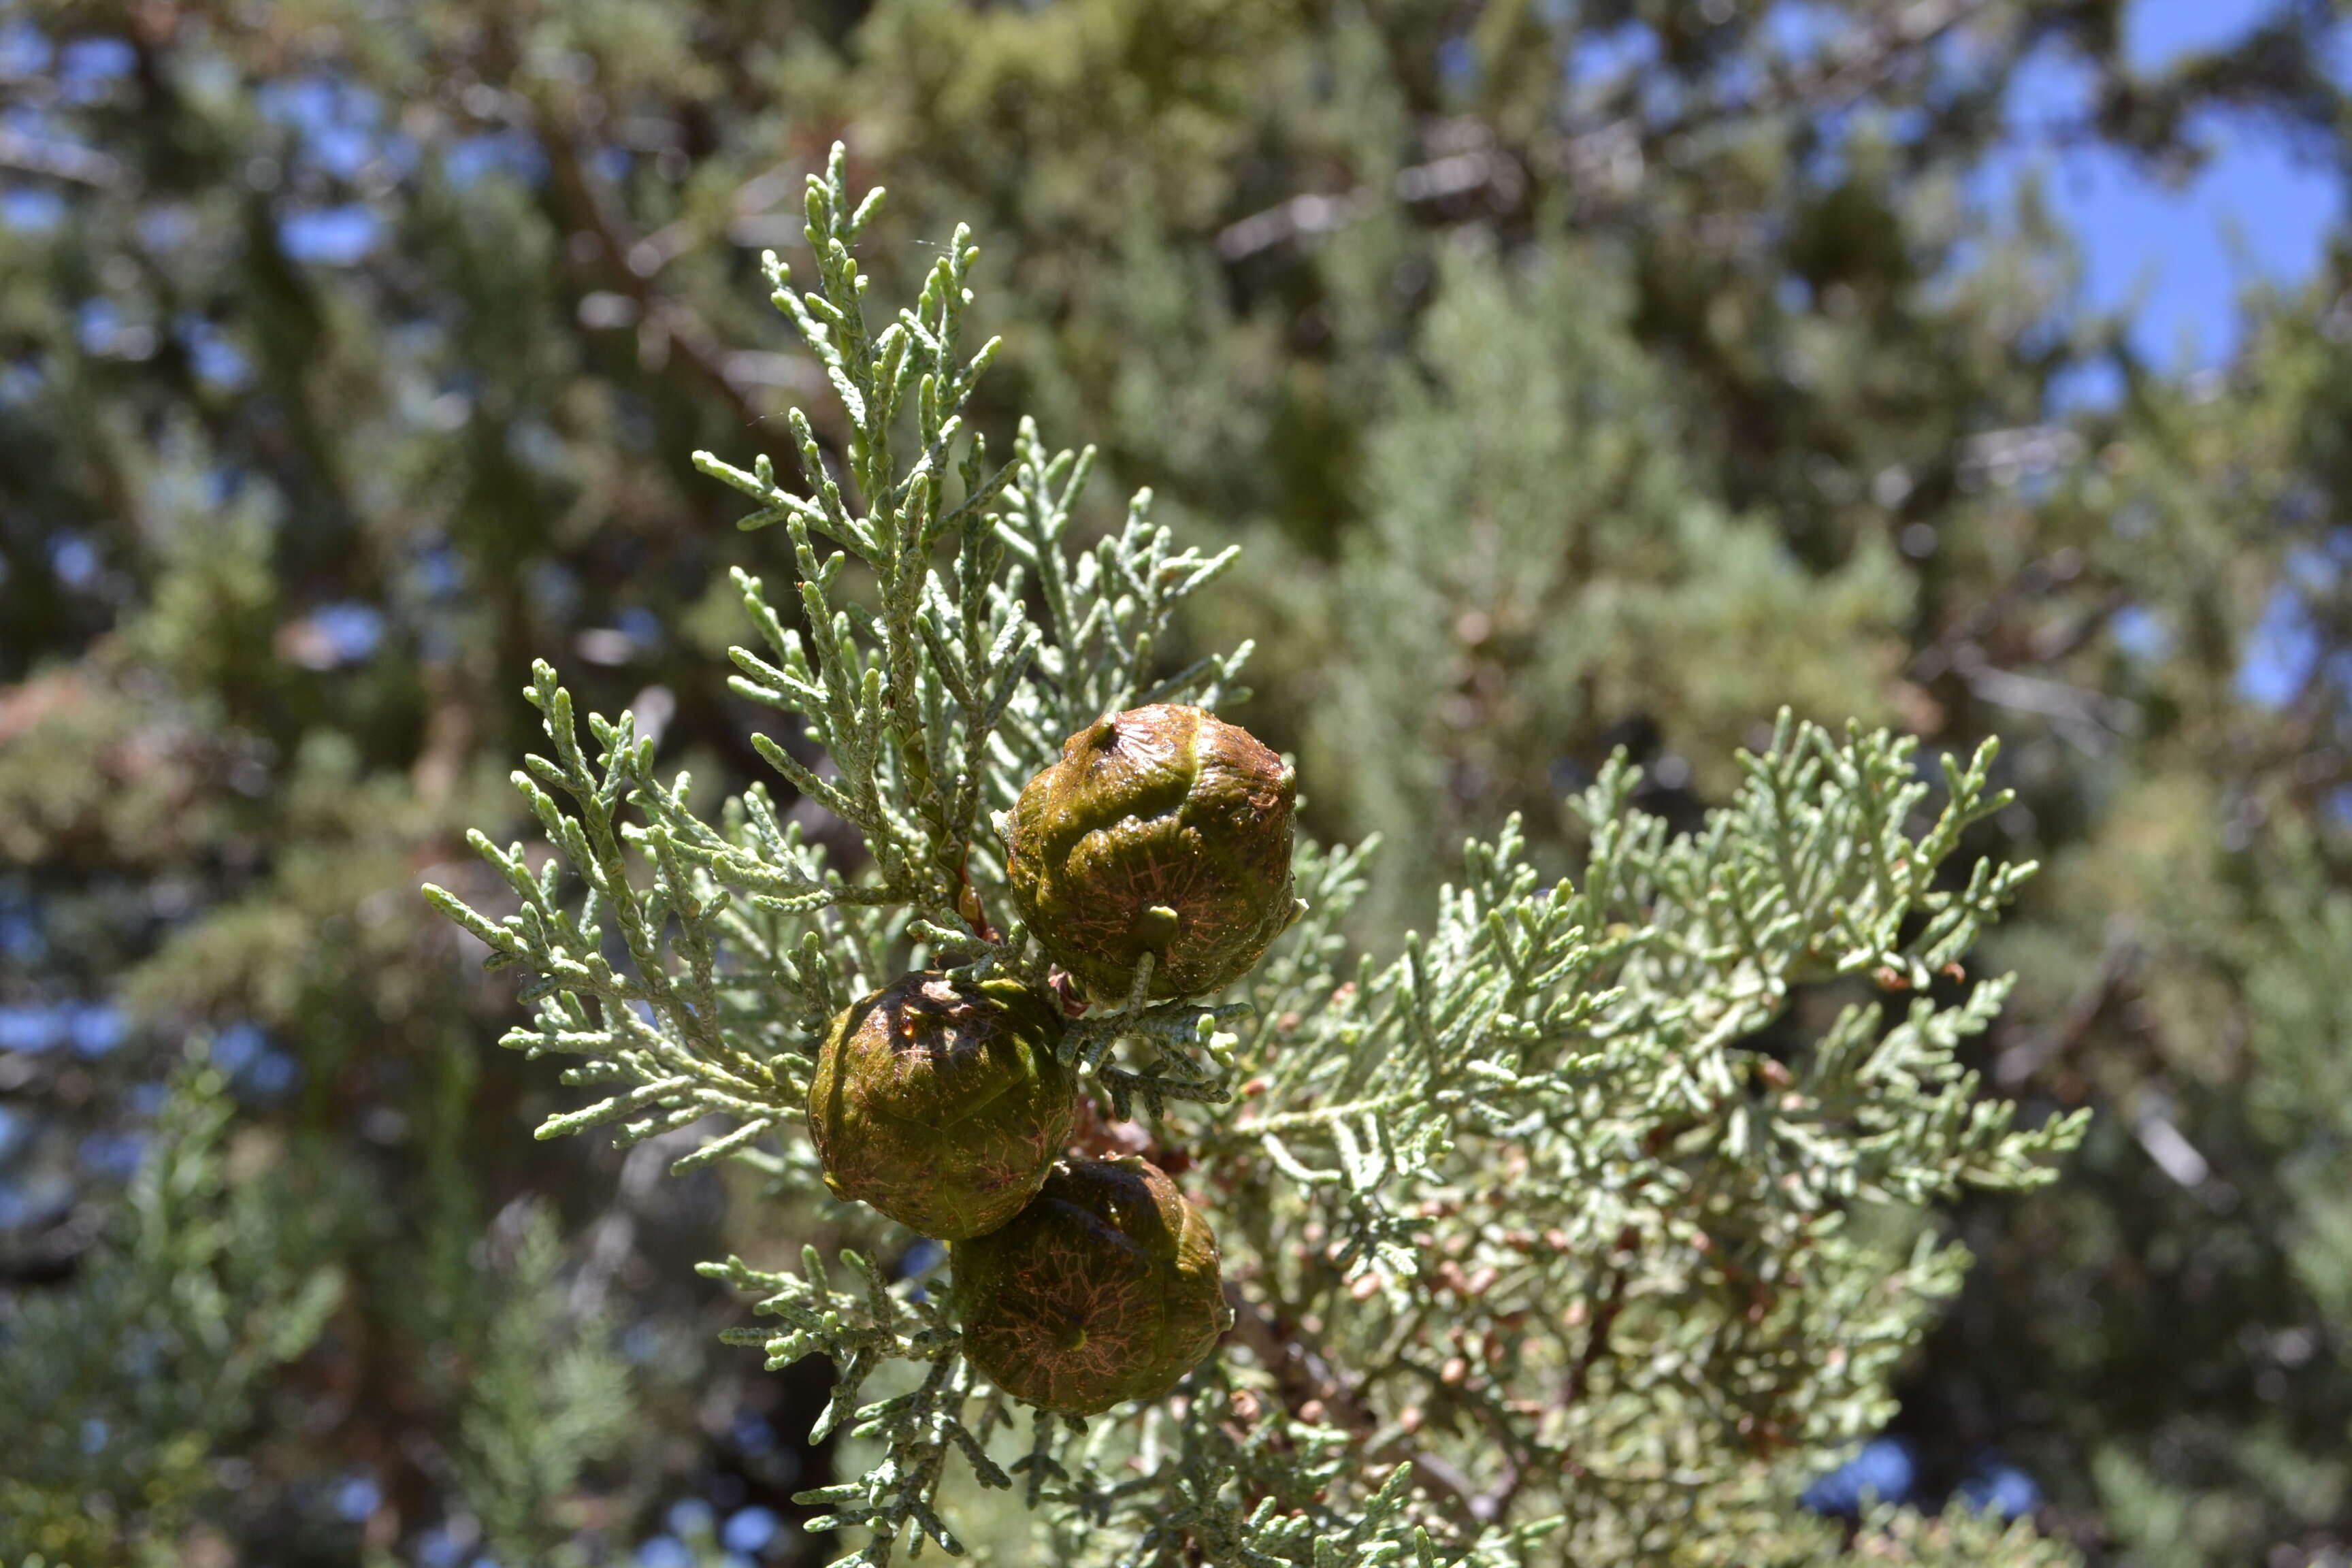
1161, 830
1105, 1289
941, 1103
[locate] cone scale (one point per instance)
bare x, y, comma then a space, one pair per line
940, 1103
1162, 830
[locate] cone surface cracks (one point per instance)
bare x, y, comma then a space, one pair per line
1105, 1289
942, 1103
1162, 830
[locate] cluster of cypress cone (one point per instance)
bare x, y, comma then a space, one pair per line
1080, 1283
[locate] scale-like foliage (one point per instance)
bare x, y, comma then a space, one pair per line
1583, 1231
120, 1385
541, 1403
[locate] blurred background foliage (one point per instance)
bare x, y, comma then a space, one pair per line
1579, 374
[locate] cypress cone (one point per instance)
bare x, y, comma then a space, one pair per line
1162, 830
1104, 1290
941, 1103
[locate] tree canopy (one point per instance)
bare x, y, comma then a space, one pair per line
1576, 377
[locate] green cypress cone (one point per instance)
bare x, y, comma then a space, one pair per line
1104, 1290
1161, 830
941, 1103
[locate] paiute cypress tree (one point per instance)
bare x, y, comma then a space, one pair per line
1532, 1251
348, 360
